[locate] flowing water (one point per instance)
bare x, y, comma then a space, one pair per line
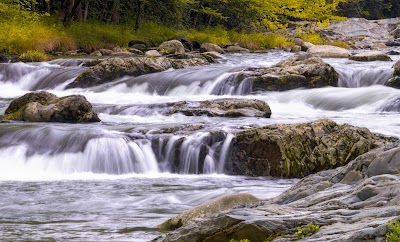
116, 180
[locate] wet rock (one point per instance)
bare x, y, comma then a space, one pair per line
46, 107
378, 46
223, 108
110, 69
300, 71
42, 97
392, 43
117, 50
236, 49
371, 56
172, 47
349, 203
208, 209
306, 45
208, 47
329, 51
212, 56
395, 80
298, 150
135, 51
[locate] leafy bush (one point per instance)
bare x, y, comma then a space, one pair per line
394, 235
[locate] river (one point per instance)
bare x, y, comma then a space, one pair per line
116, 180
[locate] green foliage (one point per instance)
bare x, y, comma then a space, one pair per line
256, 41
242, 240
313, 38
215, 35
33, 56
303, 232
394, 235
154, 33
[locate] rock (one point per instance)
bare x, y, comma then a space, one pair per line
378, 46
117, 50
72, 53
96, 53
392, 43
236, 49
42, 97
46, 107
349, 203
208, 209
395, 80
110, 69
138, 44
329, 51
300, 71
212, 56
105, 52
298, 41
295, 48
227, 107
153, 53
306, 45
208, 47
135, 51
172, 47
298, 150
371, 56
357, 27
393, 52
223, 108
396, 33
185, 42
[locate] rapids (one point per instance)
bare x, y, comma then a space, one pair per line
118, 179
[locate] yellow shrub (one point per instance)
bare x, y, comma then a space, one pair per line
33, 56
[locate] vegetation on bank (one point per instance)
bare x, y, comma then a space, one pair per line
58, 26
394, 234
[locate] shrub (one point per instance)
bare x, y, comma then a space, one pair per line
33, 56
303, 232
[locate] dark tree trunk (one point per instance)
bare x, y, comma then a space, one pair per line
47, 3
71, 11
139, 14
115, 18
85, 14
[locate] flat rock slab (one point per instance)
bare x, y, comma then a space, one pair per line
329, 51
371, 56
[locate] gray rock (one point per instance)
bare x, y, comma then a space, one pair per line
358, 27
106, 52
153, 53
212, 56
295, 48
236, 49
298, 41
300, 71
45, 107
172, 47
355, 211
96, 53
110, 69
208, 47
329, 51
306, 45
371, 56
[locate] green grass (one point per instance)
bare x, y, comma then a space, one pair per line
33, 56
394, 234
48, 35
309, 230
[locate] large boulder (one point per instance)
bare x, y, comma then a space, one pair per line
187, 43
329, 51
371, 56
138, 44
349, 203
46, 107
300, 71
110, 69
298, 150
358, 27
236, 49
172, 47
208, 47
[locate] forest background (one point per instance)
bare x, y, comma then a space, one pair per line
49, 26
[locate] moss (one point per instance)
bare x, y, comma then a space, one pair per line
394, 234
309, 230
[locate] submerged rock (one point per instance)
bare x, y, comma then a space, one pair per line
371, 56
300, 71
46, 107
208, 209
297, 150
111, 69
350, 203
